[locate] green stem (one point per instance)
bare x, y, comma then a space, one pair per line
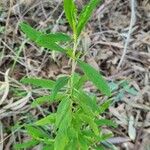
73, 64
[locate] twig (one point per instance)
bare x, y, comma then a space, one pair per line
6, 26
1, 135
132, 22
102, 7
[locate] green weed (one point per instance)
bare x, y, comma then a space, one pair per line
77, 124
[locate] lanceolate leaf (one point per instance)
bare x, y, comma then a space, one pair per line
62, 110
47, 99
73, 139
57, 37
50, 119
91, 123
106, 122
83, 143
48, 147
104, 106
26, 145
86, 109
61, 140
87, 100
86, 14
95, 77
31, 33
44, 83
60, 83
41, 100
72, 144
81, 82
36, 132
63, 121
44, 40
70, 12
50, 44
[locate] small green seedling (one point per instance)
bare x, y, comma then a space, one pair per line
77, 123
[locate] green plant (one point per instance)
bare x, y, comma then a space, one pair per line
76, 125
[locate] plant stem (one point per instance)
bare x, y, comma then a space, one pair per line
73, 64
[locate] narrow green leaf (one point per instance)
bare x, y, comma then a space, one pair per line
44, 40
87, 100
66, 121
86, 14
91, 123
47, 99
91, 136
72, 144
36, 132
57, 37
62, 111
78, 81
83, 143
76, 121
48, 141
70, 12
44, 83
106, 122
104, 106
30, 32
26, 145
72, 132
73, 139
61, 140
64, 117
76, 77
50, 119
81, 82
60, 83
95, 77
48, 147
85, 108
42, 100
